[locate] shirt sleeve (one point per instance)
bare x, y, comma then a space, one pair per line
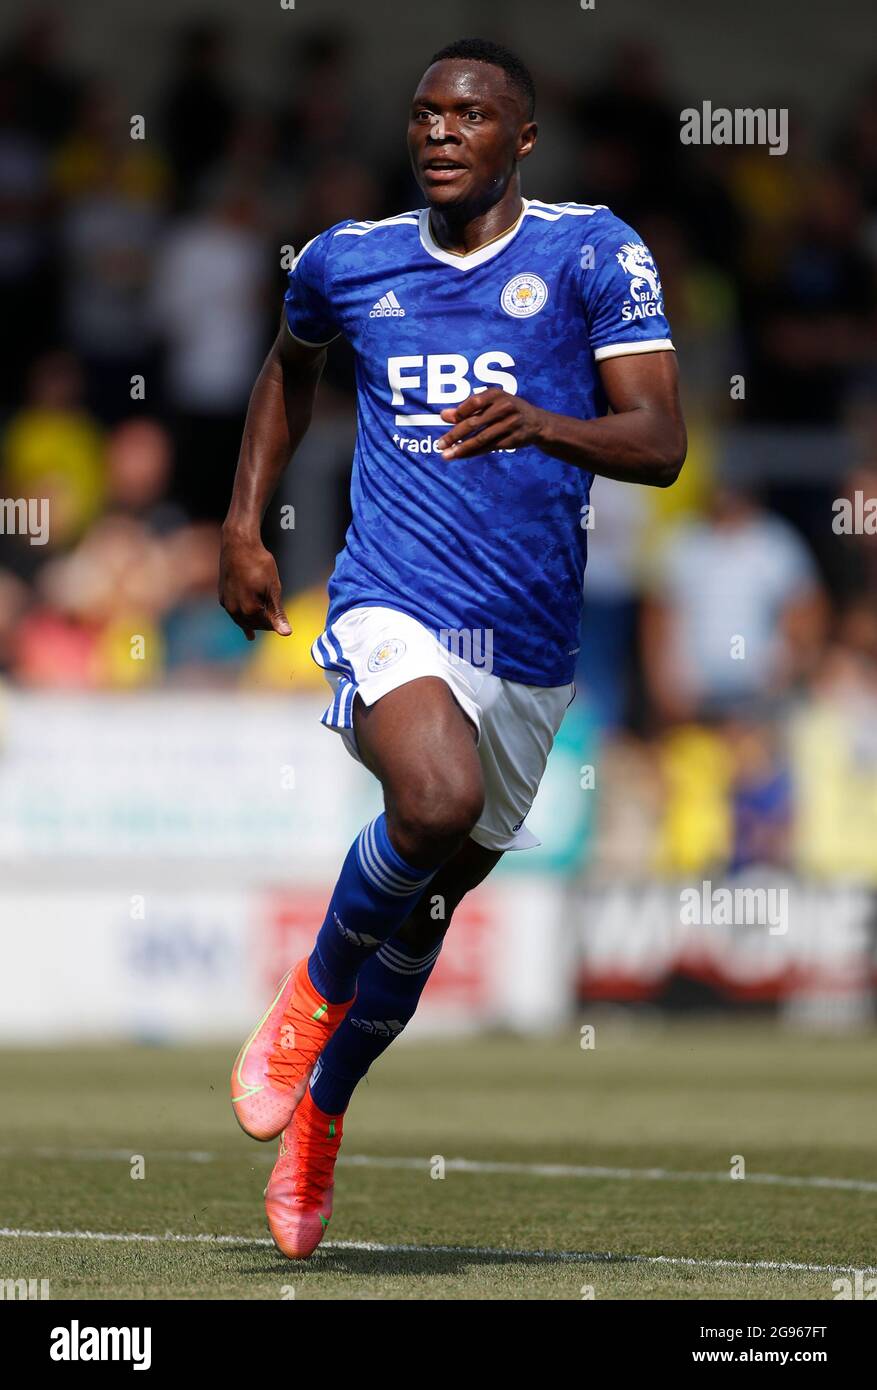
621, 289
309, 314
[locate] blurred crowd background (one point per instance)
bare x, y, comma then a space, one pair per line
158, 260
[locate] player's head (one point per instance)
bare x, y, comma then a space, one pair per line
473, 113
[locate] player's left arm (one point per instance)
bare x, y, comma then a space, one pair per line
642, 441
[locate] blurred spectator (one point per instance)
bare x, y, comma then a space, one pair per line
201, 645
198, 109
811, 326
340, 188
627, 133
47, 89
854, 552
761, 795
319, 119
736, 612
630, 802
52, 449
15, 596
702, 304
856, 149
95, 621
252, 163
620, 515
769, 196
113, 189
726, 801
834, 741
98, 153
139, 462
697, 825
27, 278
210, 297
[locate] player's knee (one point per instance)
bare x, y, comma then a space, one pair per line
437, 815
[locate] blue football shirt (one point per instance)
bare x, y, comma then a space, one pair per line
494, 544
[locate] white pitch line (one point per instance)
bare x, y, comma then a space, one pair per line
468, 1165
490, 1252
569, 1170
120, 1155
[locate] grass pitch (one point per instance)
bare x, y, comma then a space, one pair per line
659, 1110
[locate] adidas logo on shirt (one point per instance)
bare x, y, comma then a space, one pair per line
387, 307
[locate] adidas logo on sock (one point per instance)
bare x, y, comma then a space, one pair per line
387, 307
385, 1028
356, 938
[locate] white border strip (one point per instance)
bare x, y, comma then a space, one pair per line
626, 349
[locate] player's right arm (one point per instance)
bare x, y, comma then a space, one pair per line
280, 411
277, 419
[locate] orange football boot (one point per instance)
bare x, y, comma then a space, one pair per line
272, 1069
298, 1198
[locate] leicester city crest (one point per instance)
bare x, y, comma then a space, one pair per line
385, 653
524, 295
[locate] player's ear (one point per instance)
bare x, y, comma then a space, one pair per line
527, 139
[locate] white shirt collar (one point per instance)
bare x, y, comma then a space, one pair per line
474, 258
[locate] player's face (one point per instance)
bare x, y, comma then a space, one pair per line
466, 132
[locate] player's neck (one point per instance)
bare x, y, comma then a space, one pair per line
459, 231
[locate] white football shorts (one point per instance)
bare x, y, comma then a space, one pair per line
370, 651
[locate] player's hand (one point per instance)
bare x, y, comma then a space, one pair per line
249, 587
491, 419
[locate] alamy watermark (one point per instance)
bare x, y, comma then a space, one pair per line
14, 1289
747, 125
856, 1288
25, 516
735, 907
78, 1343
854, 516
472, 645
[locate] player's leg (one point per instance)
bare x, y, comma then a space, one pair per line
517, 728
392, 981
421, 746
517, 732
299, 1196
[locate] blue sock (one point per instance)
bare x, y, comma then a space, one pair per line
388, 992
374, 894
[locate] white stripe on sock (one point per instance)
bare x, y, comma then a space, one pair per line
403, 886
397, 879
401, 874
372, 869
404, 965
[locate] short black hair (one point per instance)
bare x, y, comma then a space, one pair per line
486, 51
